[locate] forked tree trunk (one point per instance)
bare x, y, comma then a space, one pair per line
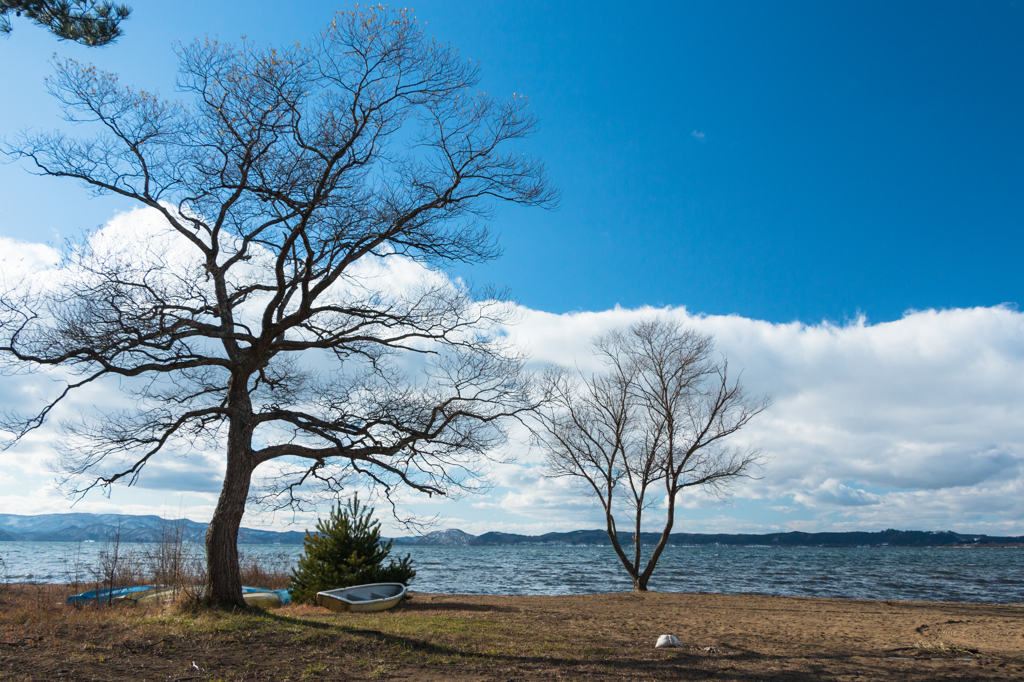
640, 579
223, 578
670, 519
632, 570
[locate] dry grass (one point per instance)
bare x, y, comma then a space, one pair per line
451, 637
270, 572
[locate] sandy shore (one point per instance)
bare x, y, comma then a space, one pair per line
438, 637
758, 637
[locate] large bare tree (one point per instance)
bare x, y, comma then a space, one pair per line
652, 425
264, 318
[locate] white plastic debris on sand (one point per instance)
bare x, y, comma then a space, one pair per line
666, 641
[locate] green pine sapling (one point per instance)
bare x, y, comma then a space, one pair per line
346, 550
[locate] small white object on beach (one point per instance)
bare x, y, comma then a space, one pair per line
666, 641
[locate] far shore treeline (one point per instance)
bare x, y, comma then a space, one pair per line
81, 527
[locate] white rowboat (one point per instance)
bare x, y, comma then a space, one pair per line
374, 597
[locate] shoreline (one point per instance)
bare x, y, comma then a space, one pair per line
449, 596
87, 585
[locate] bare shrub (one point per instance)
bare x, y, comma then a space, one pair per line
108, 571
170, 559
76, 570
5, 573
273, 572
118, 566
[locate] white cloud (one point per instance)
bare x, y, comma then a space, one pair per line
886, 424
918, 422
18, 259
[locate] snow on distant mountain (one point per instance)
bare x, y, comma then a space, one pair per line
453, 536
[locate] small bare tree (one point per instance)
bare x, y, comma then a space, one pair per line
653, 425
255, 322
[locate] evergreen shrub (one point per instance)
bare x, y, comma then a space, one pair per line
346, 550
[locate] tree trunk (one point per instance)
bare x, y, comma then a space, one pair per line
613, 535
662, 542
223, 578
639, 581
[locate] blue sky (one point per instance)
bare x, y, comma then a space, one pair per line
781, 163
849, 157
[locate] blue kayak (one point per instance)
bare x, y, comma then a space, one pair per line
109, 594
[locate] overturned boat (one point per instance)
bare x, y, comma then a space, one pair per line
158, 594
362, 598
253, 596
113, 595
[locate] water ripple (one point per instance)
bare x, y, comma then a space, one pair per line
977, 575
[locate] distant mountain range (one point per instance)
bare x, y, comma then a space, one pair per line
890, 537
104, 527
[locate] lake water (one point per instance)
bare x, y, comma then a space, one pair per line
967, 575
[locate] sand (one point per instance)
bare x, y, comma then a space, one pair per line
760, 637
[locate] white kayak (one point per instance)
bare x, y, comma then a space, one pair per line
373, 597
253, 596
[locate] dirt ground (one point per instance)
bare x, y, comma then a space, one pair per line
459, 637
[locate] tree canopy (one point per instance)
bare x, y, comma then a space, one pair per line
88, 22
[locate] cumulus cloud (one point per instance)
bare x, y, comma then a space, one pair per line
18, 259
884, 424
834, 493
917, 422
